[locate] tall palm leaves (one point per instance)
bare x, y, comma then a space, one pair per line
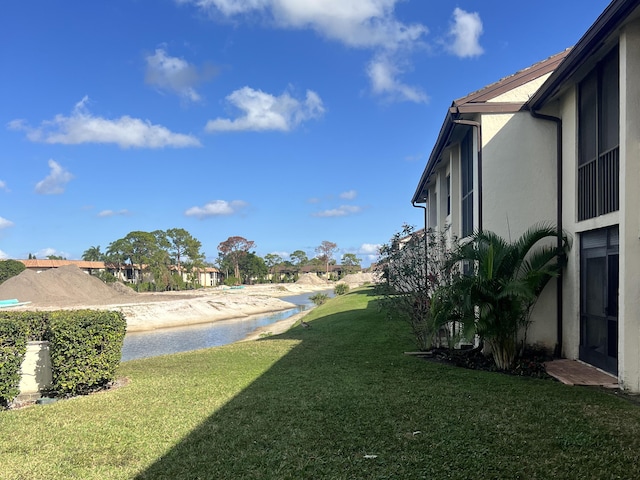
503, 281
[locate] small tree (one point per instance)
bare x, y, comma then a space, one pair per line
414, 266
325, 253
495, 298
350, 262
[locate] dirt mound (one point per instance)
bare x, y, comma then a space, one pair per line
66, 284
359, 279
121, 289
310, 279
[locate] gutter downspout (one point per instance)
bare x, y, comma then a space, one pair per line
413, 204
560, 252
479, 140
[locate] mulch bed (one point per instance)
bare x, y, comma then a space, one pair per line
530, 364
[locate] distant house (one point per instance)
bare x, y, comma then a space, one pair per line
206, 276
559, 141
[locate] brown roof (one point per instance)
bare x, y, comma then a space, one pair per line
46, 263
478, 102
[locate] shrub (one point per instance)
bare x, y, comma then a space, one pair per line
86, 347
13, 345
105, 276
36, 323
10, 268
319, 298
341, 289
231, 281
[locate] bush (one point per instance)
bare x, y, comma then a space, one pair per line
13, 345
105, 276
36, 323
319, 298
341, 289
231, 281
10, 268
86, 347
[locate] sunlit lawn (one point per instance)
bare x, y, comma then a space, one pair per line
337, 401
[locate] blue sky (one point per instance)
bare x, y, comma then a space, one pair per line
287, 122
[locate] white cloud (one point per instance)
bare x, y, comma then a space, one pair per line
466, 31
369, 248
4, 223
3, 256
55, 182
366, 24
341, 211
356, 23
349, 195
383, 73
216, 208
83, 127
45, 252
3, 186
175, 75
263, 111
113, 213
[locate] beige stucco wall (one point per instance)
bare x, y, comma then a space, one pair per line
629, 293
521, 93
628, 217
519, 190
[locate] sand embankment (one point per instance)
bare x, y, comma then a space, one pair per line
70, 288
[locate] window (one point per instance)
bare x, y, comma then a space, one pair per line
598, 140
466, 171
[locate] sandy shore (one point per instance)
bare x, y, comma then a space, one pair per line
171, 309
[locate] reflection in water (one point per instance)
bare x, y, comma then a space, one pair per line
214, 334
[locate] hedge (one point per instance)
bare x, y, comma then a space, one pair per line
13, 346
85, 348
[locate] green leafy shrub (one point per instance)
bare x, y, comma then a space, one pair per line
10, 268
86, 347
13, 346
231, 281
36, 323
341, 289
319, 298
105, 276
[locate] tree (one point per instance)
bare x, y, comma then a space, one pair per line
10, 268
55, 257
415, 266
495, 298
272, 261
116, 254
234, 248
299, 258
183, 246
325, 252
140, 248
350, 262
253, 267
93, 254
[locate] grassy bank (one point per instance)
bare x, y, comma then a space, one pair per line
336, 401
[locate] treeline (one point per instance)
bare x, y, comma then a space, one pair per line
160, 258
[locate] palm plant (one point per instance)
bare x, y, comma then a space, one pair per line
495, 298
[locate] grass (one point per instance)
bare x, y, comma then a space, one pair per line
338, 401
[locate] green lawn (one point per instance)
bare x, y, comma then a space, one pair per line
337, 401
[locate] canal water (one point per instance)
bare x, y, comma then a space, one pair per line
193, 337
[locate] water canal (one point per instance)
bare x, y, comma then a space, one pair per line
193, 337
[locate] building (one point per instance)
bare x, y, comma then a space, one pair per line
206, 276
560, 142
